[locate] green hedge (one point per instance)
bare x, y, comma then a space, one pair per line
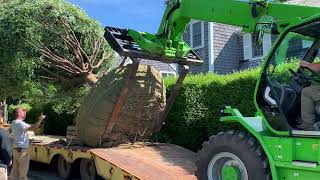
195, 114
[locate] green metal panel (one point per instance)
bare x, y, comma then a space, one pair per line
280, 148
306, 149
288, 149
286, 171
285, 150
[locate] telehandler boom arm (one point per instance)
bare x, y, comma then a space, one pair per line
232, 12
255, 16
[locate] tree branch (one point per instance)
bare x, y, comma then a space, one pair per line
49, 78
53, 74
102, 59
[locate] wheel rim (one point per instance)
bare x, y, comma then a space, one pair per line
223, 163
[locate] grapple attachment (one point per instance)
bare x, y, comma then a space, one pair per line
126, 46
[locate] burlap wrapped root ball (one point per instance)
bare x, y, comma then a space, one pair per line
139, 117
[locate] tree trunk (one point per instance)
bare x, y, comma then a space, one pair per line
91, 79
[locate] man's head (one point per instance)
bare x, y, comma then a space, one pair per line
21, 113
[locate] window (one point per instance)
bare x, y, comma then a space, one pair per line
167, 73
257, 49
252, 50
197, 34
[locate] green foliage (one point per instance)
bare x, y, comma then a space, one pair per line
48, 49
12, 108
55, 123
13, 74
40, 94
195, 115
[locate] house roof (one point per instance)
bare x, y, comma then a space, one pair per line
305, 2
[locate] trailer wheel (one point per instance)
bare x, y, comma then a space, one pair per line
232, 155
88, 170
64, 168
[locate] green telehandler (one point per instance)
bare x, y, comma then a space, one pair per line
271, 146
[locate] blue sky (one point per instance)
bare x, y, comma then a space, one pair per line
142, 15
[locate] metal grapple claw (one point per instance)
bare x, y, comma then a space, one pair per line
126, 46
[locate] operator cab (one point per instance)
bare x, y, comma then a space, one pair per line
279, 92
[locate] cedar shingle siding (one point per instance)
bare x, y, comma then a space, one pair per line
227, 48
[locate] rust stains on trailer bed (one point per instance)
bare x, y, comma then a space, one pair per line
151, 162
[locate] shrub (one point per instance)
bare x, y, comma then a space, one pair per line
195, 114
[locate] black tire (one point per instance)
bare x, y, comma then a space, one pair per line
88, 170
245, 147
64, 168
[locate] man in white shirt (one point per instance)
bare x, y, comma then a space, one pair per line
21, 157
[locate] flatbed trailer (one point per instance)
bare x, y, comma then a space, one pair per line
129, 161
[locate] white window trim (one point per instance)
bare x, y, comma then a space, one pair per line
267, 44
191, 34
211, 46
168, 72
266, 47
247, 46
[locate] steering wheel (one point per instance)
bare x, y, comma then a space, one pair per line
293, 72
284, 91
300, 73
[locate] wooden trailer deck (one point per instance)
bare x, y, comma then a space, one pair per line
154, 162
129, 161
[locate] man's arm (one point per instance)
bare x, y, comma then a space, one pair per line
35, 126
313, 67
